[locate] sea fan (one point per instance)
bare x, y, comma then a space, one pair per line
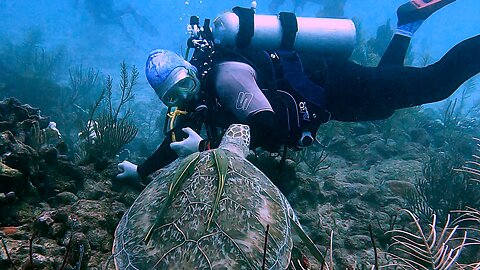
469, 220
472, 167
429, 250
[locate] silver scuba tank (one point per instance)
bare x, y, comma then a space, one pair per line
315, 35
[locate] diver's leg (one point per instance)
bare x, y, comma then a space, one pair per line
396, 51
457, 66
357, 93
410, 17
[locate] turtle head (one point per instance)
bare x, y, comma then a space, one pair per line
237, 139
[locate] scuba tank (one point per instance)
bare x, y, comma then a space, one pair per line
244, 29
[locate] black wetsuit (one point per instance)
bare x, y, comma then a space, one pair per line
353, 93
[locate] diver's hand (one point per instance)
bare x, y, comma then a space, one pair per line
128, 172
187, 146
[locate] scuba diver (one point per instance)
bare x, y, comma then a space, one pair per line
284, 97
104, 13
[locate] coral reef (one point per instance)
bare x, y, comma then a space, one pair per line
58, 214
67, 213
107, 132
50, 207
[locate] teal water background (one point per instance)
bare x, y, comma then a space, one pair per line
67, 23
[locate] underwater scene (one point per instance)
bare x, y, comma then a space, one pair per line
268, 134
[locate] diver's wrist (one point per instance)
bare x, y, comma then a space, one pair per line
204, 145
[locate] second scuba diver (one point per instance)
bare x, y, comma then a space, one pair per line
299, 93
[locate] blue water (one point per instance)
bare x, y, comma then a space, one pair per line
67, 23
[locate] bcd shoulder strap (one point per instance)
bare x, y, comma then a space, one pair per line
246, 27
289, 24
294, 74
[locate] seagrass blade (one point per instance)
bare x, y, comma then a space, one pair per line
221, 163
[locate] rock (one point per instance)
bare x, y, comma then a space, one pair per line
384, 149
14, 114
358, 242
64, 198
36, 248
52, 224
345, 148
25, 212
94, 214
373, 196
95, 189
40, 262
357, 176
350, 191
351, 207
118, 209
19, 156
400, 188
359, 129
80, 251
307, 192
330, 184
420, 136
98, 261
43, 223
11, 246
100, 239
60, 215
11, 179
366, 139
58, 230
400, 170
331, 196
49, 155
64, 176
14, 232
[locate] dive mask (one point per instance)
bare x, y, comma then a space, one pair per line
182, 84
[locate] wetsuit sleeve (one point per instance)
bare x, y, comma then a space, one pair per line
164, 155
264, 131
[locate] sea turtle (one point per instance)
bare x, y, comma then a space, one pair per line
209, 210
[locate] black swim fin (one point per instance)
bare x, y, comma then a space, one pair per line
418, 10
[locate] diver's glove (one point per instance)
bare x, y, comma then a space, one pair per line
187, 146
128, 172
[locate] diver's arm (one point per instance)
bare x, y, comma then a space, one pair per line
163, 156
264, 131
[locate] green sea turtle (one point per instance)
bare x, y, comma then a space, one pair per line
209, 210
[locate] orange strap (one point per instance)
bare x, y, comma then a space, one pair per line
172, 116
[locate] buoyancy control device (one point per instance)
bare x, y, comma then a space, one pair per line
243, 29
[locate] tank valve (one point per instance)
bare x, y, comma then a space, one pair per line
254, 5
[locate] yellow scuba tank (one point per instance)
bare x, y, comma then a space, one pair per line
245, 30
